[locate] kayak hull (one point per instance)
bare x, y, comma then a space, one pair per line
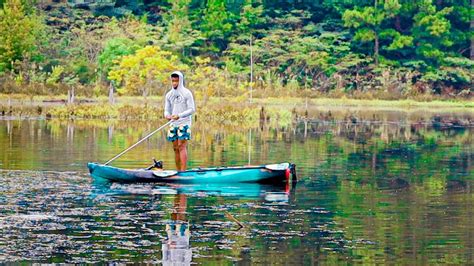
266, 174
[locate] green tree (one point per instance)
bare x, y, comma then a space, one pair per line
251, 16
368, 22
20, 33
431, 31
216, 25
462, 27
114, 49
179, 31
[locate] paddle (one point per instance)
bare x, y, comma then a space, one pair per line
140, 141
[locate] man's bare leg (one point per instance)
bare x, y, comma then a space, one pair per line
183, 154
177, 157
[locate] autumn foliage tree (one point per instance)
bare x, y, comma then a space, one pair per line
145, 71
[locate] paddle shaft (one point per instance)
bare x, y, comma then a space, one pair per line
140, 141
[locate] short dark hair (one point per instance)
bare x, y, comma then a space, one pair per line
174, 75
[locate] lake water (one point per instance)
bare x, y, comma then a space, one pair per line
382, 187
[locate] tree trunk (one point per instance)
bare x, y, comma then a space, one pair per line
251, 69
111, 94
398, 24
376, 49
70, 95
146, 87
145, 93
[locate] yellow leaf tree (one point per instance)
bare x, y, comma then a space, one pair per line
145, 71
208, 80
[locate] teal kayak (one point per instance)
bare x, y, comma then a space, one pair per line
267, 174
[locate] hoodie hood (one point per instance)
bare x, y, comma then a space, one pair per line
181, 81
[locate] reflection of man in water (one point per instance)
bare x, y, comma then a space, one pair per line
176, 249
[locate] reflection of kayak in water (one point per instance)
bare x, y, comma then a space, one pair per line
249, 190
271, 192
270, 173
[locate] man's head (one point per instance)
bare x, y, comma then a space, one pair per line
175, 80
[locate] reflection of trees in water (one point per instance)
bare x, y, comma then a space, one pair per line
390, 154
363, 132
110, 133
211, 134
385, 127
393, 153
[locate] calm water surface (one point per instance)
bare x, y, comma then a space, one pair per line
387, 187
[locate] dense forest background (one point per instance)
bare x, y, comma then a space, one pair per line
389, 49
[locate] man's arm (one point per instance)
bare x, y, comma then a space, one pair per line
167, 107
191, 107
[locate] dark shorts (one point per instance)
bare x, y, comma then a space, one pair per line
179, 133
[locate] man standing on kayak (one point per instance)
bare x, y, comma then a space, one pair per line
179, 107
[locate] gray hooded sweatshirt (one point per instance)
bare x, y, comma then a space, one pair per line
180, 102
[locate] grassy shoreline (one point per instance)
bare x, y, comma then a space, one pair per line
219, 109
348, 102
322, 101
